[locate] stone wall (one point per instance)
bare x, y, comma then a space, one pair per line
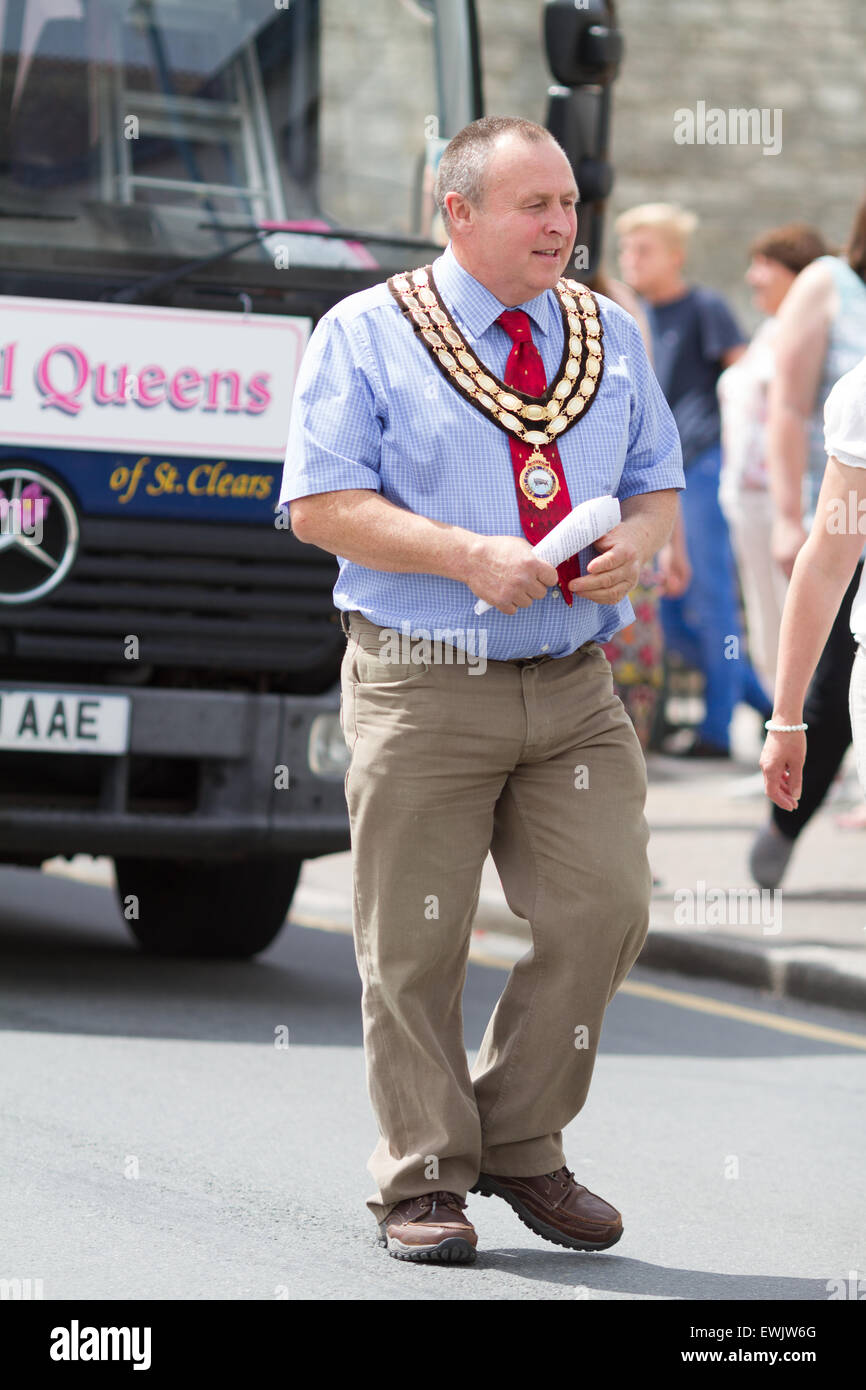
806, 60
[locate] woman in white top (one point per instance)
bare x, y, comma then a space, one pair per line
822, 572
775, 260
821, 336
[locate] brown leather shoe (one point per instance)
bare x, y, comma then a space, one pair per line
556, 1207
431, 1228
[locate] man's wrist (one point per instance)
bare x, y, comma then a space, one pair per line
641, 537
461, 554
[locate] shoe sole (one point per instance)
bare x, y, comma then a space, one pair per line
455, 1250
486, 1188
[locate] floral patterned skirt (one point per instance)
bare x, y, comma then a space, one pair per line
636, 654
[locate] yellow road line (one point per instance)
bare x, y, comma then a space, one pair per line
307, 919
680, 999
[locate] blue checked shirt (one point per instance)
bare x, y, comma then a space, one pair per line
371, 410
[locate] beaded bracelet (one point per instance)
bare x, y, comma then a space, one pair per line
784, 728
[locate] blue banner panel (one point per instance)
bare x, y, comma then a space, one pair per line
153, 485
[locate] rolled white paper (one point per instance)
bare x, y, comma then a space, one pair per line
580, 528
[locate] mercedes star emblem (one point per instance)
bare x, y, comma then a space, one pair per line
38, 534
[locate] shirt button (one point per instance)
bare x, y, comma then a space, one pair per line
546, 647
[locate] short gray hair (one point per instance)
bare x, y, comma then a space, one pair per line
465, 157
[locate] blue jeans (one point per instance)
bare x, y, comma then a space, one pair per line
704, 624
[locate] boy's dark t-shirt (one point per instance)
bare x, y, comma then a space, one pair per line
690, 335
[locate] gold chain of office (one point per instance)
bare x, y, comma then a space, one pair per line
567, 398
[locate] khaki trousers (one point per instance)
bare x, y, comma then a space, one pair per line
538, 763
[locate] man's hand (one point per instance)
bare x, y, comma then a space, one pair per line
787, 539
675, 571
614, 573
506, 572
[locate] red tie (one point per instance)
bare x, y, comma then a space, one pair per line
525, 370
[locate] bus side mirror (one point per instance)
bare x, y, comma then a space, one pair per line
583, 45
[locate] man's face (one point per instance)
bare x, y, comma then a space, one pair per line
648, 260
518, 240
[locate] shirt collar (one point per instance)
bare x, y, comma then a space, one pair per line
476, 306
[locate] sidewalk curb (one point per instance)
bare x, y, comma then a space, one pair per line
811, 973
829, 975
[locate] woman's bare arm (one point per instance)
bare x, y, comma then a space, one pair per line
800, 349
822, 572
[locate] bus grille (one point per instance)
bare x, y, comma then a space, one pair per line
222, 598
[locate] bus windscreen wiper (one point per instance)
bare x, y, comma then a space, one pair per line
130, 293
171, 277
335, 233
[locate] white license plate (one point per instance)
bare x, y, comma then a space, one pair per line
55, 721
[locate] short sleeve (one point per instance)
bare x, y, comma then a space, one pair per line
845, 418
654, 460
335, 429
719, 329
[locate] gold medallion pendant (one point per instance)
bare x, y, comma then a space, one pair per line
538, 481
535, 420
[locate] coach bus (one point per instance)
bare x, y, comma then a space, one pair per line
186, 186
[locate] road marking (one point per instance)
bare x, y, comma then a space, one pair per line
701, 1003
309, 919
680, 999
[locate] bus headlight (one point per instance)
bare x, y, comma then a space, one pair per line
328, 755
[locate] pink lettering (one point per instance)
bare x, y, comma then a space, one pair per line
7, 355
183, 382
150, 377
63, 400
213, 392
259, 395
100, 391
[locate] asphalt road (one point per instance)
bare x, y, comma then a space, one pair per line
156, 1143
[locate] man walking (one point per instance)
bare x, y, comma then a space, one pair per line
441, 423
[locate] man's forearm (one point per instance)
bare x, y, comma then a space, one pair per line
369, 530
650, 517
